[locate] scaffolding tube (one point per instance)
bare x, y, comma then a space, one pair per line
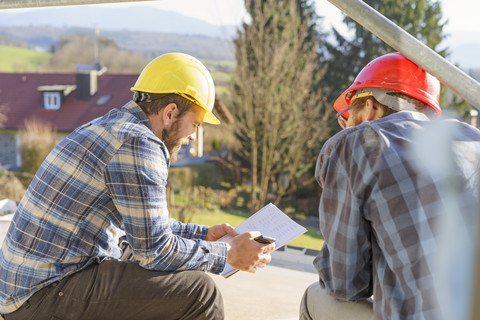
14, 4
413, 49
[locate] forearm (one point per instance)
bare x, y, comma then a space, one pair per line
179, 253
156, 247
188, 230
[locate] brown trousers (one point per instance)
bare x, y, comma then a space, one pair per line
123, 290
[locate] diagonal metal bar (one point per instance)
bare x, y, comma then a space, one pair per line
12, 4
412, 48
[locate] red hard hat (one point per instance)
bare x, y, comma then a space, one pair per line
395, 72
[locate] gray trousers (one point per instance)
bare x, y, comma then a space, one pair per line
318, 305
123, 290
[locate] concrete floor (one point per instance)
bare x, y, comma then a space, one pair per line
273, 293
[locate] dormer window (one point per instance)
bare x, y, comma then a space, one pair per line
51, 100
54, 95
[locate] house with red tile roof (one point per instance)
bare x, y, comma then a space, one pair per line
65, 101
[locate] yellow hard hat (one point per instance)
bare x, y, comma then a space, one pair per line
182, 74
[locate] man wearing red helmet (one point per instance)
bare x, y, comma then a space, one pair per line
382, 196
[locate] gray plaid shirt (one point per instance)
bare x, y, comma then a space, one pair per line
379, 208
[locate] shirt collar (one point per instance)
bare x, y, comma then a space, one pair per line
413, 115
136, 111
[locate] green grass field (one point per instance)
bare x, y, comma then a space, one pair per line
14, 59
312, 239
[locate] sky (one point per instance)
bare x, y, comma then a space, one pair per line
462, 14
462, 30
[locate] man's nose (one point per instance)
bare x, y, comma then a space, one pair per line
192, 136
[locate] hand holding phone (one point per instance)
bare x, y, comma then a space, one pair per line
264, 239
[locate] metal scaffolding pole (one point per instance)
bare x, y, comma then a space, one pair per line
12, 4
413, 49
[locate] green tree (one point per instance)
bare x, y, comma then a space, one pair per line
421, 18
281, 118
458, 107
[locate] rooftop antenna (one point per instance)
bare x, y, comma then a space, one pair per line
97, 65
95, 45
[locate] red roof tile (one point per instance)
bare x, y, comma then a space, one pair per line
19, 94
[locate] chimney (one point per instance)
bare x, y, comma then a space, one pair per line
474, 118
87, 82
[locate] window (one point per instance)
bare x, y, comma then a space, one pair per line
51, 100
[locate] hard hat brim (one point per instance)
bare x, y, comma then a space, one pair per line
210, 117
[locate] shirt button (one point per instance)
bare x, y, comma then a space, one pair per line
60, 294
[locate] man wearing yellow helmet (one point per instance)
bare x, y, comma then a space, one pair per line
106, 181
386, 180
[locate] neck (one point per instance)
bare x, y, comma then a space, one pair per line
157, 124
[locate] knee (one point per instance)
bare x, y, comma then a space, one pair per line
317, 304
207, 296
202, 288
306, 308
204, 284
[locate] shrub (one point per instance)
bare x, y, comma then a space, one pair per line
205, 174
10, 186
36, 142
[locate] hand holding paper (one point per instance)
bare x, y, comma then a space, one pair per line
269, 221
217, 231
246, 254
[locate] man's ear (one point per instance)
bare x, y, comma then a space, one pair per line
169, 113
372, 112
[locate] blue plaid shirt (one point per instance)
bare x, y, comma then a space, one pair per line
382, 196
106, 179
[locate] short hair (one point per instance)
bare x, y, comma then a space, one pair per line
154, 102
420, 106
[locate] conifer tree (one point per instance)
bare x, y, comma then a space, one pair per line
277, 100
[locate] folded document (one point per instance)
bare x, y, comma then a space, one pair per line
270, 221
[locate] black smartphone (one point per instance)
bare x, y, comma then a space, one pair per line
264, 239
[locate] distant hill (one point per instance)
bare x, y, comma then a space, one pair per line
138, 18
150, 44
149, 30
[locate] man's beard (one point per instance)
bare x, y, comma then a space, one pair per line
172, 142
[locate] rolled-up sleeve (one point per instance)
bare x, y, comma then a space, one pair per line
136, 178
